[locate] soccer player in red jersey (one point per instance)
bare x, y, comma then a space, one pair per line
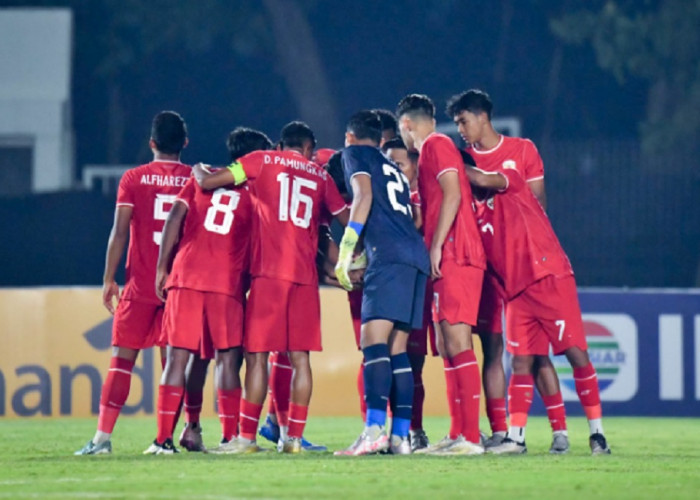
457, 265
542, 304
145, 196
276, 424
283, 312
205, 282
491, 151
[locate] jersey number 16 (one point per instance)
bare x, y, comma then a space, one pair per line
298, 200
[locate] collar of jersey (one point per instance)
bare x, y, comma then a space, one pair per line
482, 152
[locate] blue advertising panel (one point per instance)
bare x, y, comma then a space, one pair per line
645, 345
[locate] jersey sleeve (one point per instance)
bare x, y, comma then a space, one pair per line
186, 194
125, 193
247, 167
514, 181
415, 197
534, 168
332, 200
353, 163
445, 156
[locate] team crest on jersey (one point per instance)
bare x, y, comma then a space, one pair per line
509, 164
489, 203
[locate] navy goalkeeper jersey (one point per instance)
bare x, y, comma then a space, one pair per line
390, 236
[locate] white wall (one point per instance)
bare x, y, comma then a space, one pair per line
35, 79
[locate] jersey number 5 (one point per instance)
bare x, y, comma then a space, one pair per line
160, 212
223, 201
299, 199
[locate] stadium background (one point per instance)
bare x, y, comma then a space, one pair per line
607, 90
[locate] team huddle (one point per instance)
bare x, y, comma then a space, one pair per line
439, 244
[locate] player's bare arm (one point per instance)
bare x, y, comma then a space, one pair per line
487, 180
417, 216
451, 198
209, 180
116, 245
537, 188
171, 235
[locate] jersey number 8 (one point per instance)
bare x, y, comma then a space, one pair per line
223, 201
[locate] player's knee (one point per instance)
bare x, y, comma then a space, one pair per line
522, 365
492, 346
577, 357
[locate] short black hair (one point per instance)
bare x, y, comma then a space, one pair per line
334, 167
169, 132
388, 120
366, 124
475, 101
243, 140
395, 143
295, 134
416, 105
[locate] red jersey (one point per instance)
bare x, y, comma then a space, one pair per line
214, 252
151, 190
290, 194
520, 244
511, 152
463, 244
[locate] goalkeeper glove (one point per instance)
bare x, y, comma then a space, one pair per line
347, 246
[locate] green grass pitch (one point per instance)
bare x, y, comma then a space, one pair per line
652, 458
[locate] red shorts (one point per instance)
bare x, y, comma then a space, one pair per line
418, 339
547, 312
355, 299
490, 318
282, 316
456, 295
202, 321
137, 325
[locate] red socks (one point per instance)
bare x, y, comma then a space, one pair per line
249, 417
229, 408
297, 420
193, 406
555, 411
586, 382
452, 400
169, 397
496, 411
114, 393
361, 391
281, 386
519, 399
468, 379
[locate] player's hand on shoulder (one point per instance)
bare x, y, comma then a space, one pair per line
200, 171
110, 292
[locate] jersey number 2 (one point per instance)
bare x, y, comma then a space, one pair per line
396, 186
299, 199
